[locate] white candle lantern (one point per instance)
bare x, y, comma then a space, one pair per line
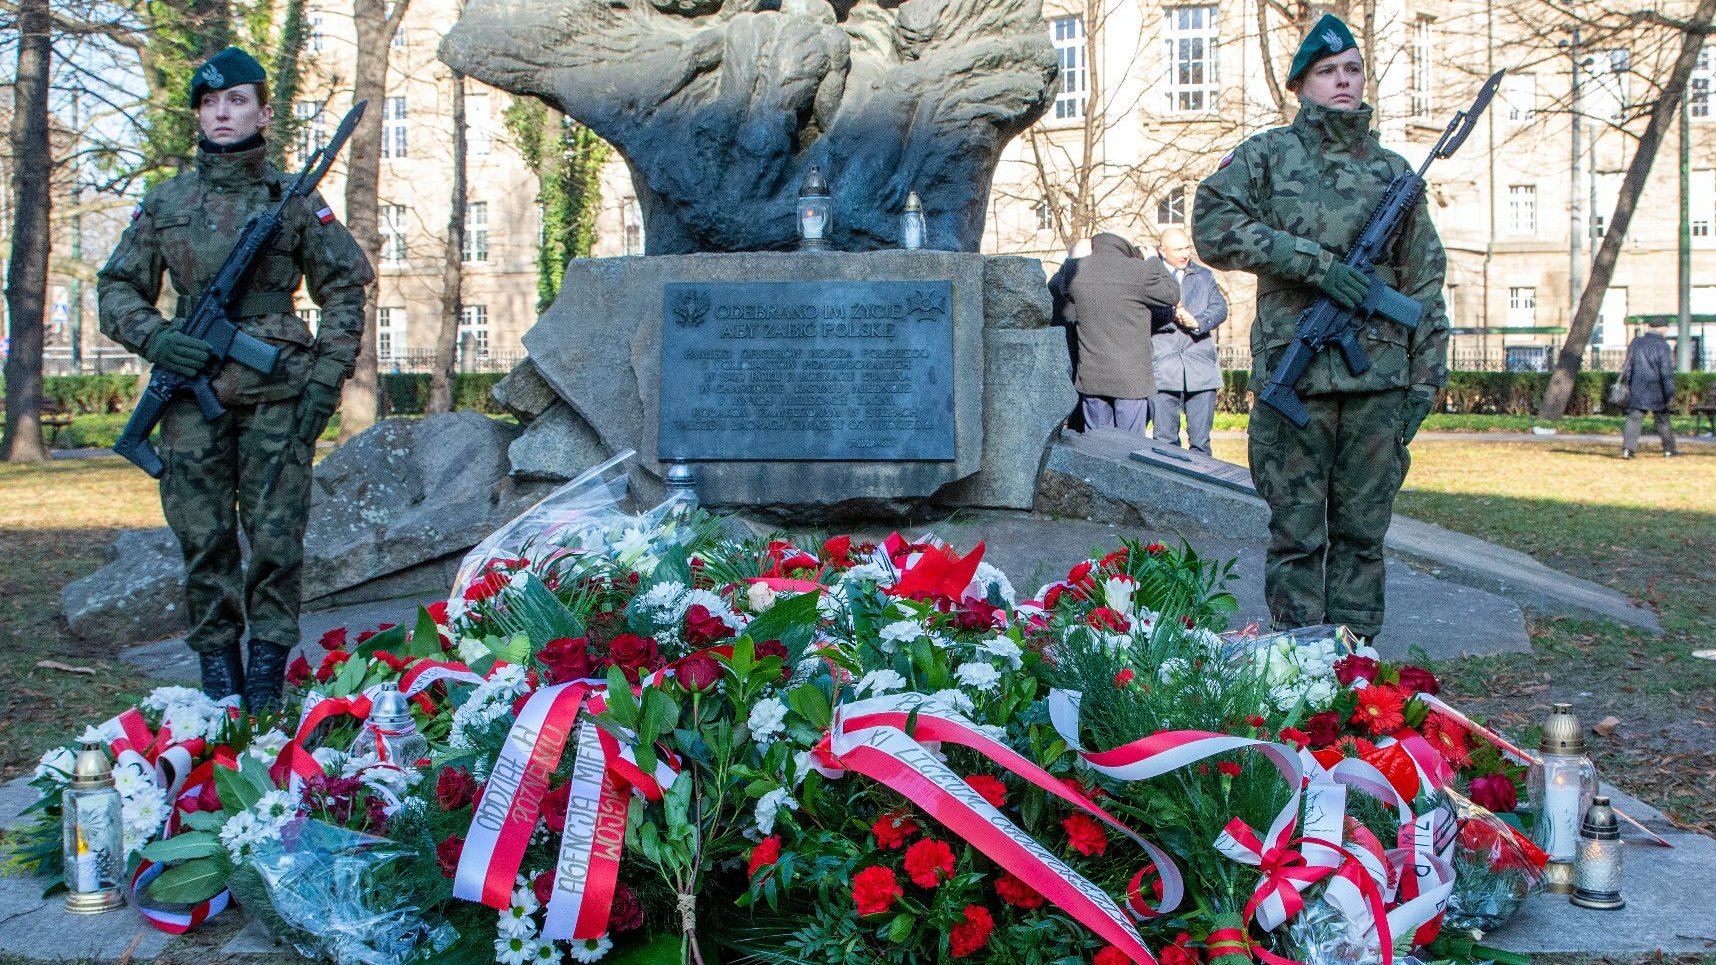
390, 733
1560, 786
815, 211
912, 227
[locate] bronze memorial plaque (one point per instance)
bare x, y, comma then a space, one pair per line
826, 371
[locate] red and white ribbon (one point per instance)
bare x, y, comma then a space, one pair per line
172, 922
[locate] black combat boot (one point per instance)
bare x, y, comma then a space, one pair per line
265, 677
222, 672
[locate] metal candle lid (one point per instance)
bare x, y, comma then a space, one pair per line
814, 185
1561, 733
93, 770
913, 203
389, 708
1600, 821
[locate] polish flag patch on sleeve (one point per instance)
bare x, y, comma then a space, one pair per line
1226, 159
325, 215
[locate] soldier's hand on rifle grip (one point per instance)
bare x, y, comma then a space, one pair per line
177, 352
1346, 285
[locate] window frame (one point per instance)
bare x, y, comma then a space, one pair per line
1189, 98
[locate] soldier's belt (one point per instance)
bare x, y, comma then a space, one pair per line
254, 304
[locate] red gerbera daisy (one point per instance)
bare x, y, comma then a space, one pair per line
1448, 738
1379, 709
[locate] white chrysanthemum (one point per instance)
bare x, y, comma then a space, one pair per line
130, 780
1117, 594
509, 926
91, 735
238, 835
163, 697
589, 950
331, 760
524, 896
56, 765
769, 805
266, 747
135, 840
767, 719
276, 807
1004, 649
508, 681
663, 597
514, 951
547, 954
988, 576
187, 722
955, 699
979, 676
144, 815
881, 682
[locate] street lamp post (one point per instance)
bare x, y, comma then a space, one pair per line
1573, 213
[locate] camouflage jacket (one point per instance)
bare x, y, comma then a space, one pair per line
187, 227
1285, 205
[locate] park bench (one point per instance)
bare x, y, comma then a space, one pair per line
1704, 410
52, 415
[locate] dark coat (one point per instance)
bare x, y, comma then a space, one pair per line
1187, 361
1063, 315
1649, 373
1111, 296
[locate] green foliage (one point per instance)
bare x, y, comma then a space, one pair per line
568, 159
407, 393
189, 883
1510, 393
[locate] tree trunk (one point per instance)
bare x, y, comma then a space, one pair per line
452, 273
375, 26
1662, 114
27, 272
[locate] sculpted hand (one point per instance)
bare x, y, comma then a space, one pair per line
177, 352
1346, 285
1419, 401
315, 407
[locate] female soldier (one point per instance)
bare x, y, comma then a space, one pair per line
252, 465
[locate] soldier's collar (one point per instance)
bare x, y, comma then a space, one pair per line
233, 168
1335, 128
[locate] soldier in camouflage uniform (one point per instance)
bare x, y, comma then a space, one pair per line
1285, 206
251, 467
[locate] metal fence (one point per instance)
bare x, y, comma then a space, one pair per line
101, 361
470, 359
1524, 358
117, 361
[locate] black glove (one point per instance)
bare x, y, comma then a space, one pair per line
177, 352
315, 407
1346, 285
1419, 401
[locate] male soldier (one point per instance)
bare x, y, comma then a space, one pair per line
252, 465
1286, 205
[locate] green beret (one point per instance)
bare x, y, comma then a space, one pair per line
1329, 36
229, 68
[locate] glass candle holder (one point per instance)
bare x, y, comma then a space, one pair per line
390, 733
815, 211
912, 226
1597, 870
94, 836
1559, 787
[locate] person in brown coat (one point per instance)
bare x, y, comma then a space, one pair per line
1111, 296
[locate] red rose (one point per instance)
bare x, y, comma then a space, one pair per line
1112, 956
1379, 709
567, 658
1229, 768
634, 654
447, 855
298, 671
438, 612
1124, 677
1354, 667
554, 807
1296, 737
972, 934
765, 854
875, 890
542, 886
929, 863
627, 912
1417, 680
1178, 953
1084, 834
334, 639
991, 788
977, 615
1494, 793
892, 830
1155, 548
454, 788
703, 628
1324, 728
698, 672
775, 648
370, 633
331, 665
1015, 892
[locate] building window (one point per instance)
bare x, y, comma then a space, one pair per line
1172, 208
1045, 213
393, 234
1423, 67
1070, 48
1189, 34
1521, 307
477, 134
631, 220
390, 334
1599, 225
474, 330
1520, 94
476, 247
1698, 94
311, 134
1702, 203
393, 127
1522, 209
1606, 88
314, 41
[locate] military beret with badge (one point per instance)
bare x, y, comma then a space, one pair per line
229, 68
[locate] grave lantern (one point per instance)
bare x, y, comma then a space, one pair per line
1597, 870
912, 223
1560, 785
94, 836
815, 211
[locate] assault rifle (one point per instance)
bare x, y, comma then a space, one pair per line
211, 320
1326, 322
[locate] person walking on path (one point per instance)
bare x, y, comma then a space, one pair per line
1111, 296
252, 465
1648, 374
1285, 205
1182, 340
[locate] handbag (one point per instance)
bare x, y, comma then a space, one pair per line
1622, 391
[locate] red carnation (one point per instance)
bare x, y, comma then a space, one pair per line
929, 863
567, 658
1229, 768
1124, 677
1155, 548
1052, 596
972, 934
1354, 667
892, 830
438, 612
875, 890
627, 912
554, 807
991, 788
1296, 737
1084, 834
1103, 618
1112, 956
485, 586
1015, 892
703, 628
634, 654
1417, 680
1254, 720
1178, 953
454, 788
765, 854
298, 671
1079, 575
1379, 709
698, 672
1324, 728
838, 550
1117, 556
331, 665
1494, 793
447, 855
370, 633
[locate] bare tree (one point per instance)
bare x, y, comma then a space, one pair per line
375, 22
452, 273
27, 272
1662, 113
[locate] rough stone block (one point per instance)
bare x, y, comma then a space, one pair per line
524, 393
136, 596
557, 446
1026, 395
1015, 294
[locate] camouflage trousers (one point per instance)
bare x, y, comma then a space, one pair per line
246, 468
1330, 488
